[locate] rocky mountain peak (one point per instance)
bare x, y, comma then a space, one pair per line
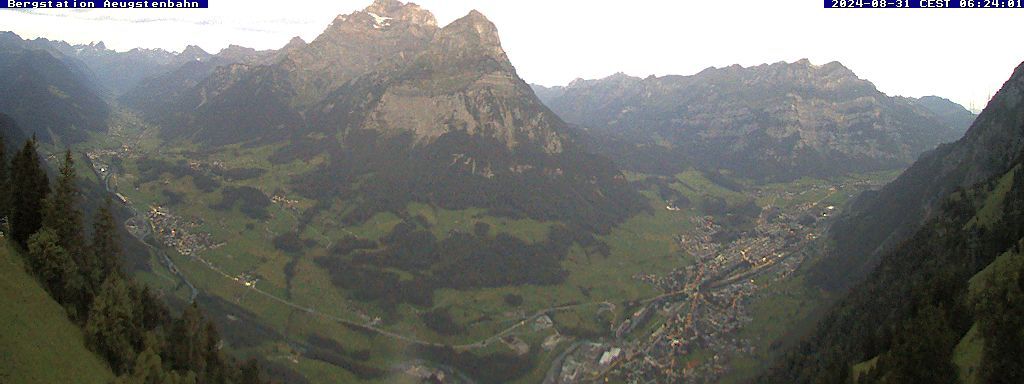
236, 50
473, 34
397, 10
295, 42
385, 14
194, 52
836, 68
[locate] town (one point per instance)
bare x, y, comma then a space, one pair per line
705, 304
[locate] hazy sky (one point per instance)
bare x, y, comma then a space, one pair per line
964, 55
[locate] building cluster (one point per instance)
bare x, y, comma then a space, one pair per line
704, 305
285, 202
587, 361
182, 235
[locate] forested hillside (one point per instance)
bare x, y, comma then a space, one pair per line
946, 303
876, 222
926, 295
123, 322
36, 83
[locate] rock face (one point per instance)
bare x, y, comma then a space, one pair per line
383, 36
942, 245
877, 222
778, 121
410, 111
461, 81
388, 68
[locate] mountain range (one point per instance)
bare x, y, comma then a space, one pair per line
392, 97
769, 122
932, 266
878, 221
36, 85
392, 164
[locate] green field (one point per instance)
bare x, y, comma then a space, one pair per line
37, 341
313, 306
967, 355
644, 243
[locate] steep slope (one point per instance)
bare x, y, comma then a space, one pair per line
265, 101
875, 222
927, 291
12, 135
38, 342
117, 72
152, 93
384, 36
408, 111
462, 81
769, 122
955, 115
48, 96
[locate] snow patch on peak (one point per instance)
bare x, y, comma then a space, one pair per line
380, 21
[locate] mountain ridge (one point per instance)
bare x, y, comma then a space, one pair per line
771, 121
930, 262
445, 100
878, 221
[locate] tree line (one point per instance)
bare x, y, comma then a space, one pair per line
122, 320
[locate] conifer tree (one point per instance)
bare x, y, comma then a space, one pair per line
29, 188
109, 328
105, 247
62, 213
1000, 311
186, 342
923, 352
250, 373
149, 311
55, 269
150, 369
216, 371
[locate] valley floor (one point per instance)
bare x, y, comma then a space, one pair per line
681, 290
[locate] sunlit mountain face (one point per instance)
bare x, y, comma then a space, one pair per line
391, 202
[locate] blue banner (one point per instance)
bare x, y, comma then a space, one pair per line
104, 4
897, 4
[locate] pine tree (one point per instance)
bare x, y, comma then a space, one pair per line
149, 368
216, 370
110, 328
922, 353
150, 312
105, 247
63, 216
187, 340
55, 269
1000, 311
29, 188
250, 373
